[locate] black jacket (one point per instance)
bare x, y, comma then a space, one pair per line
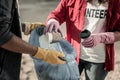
9, 25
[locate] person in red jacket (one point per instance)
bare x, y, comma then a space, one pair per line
95, 54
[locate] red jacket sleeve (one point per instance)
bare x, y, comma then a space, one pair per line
59, 13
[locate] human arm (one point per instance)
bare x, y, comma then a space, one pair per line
112, 25
17, 45
106, 38
9, 41
56, 18
52, 25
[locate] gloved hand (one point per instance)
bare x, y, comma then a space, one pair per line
27, 27
52, 25
94, 39
49, 56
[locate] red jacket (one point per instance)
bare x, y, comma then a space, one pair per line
72, 12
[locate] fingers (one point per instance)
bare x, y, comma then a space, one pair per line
88, 45
52, 25
48, 28
51, 28
87, 42
61, 55
59, 61
56, 27
60, 32
56, 59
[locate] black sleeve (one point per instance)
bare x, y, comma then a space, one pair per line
5, 20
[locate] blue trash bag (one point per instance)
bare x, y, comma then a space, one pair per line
46, 71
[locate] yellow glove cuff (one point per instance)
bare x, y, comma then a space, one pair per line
39, 53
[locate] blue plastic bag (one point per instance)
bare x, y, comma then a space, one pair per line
45, 71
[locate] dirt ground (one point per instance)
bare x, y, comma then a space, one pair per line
37, 11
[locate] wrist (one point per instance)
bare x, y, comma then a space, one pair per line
35, 51
52, 20
40, 53
108, 37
